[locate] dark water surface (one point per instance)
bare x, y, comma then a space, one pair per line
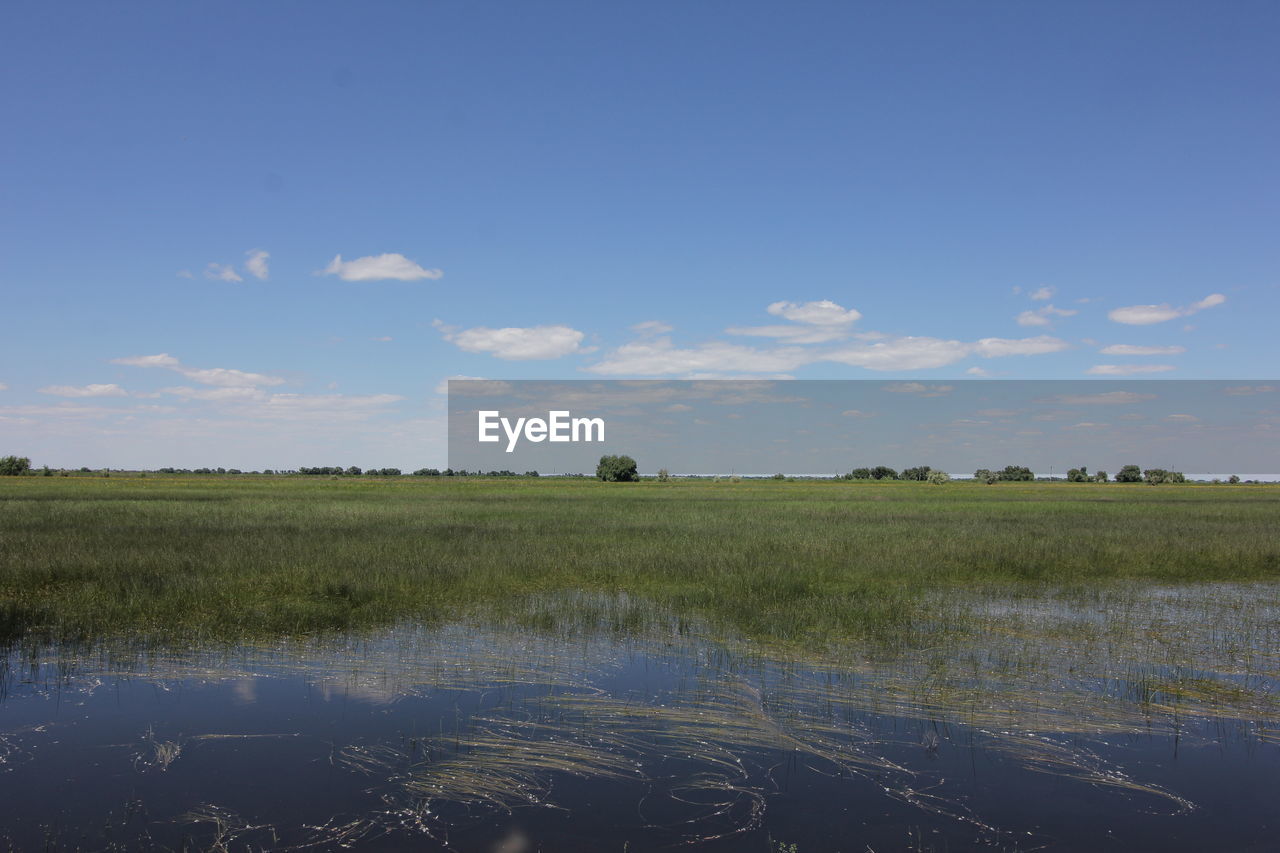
1047, 727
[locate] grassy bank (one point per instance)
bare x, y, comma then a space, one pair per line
227, 557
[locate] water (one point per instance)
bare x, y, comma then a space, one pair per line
1045, 727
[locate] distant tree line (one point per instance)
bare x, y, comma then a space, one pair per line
463, 472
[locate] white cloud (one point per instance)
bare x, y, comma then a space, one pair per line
516, 343
1146, 315
222, 376
1040, 316
161, 360
257, 263
660, 357
855, 413
391, 266
221, 272
215, 394
111, 390
1131, 349
822, 313
792, 334
3, 387
185, 274
650, 328
977, 371
1043, 293
287, 403
1000, 347
909, 353
227, 377
1186, 419
1128, 369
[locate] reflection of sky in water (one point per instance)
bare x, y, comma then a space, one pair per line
1158, 721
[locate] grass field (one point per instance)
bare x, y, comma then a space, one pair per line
796, 562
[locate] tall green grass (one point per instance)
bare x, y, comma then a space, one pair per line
229, 558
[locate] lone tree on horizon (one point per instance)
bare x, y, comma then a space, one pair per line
14, 466
617, 469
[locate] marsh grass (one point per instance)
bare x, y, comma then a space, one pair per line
789, 562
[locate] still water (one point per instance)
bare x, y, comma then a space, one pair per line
1133, 722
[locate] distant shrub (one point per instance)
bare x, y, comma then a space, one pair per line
1233, 479
985, 475
735, 479
663, 475
1016, 474
14, 466
1129, 474
1100, 477
937, 478
919, 474
779, 476
617, 469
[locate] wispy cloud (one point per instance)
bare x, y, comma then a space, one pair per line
1128, 369
514, 343
221, 272
796, 334
649, 328
221, 376
388, 267
257, 264
1132, 349
111, 390
1146, 315
1043, 293
1040, 316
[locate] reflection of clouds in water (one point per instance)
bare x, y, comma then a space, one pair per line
245, 690
374, 691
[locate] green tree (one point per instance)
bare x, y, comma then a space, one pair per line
1233, 479
860, 474
985, 475
13, 466
1079, 475
918, 474
1016, 473
883, 472
617, 469
1129, 474
937, 478
1100, 477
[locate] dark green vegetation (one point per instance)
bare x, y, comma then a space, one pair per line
798, 562
617, 469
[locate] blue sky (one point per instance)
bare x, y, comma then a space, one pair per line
613, 190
